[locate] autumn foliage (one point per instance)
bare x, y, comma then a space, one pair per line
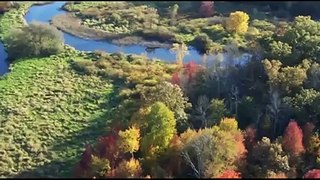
238, 22
129, 139
175, 79
250, 137
108, 148
190, 70
231, 125
128, 169
230, 174
240, 145
292, 139
185, 78
206, 8
280, 175
314, 173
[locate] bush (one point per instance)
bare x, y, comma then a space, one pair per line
202, 43
161, 34
216, 32
263, 25
34, 40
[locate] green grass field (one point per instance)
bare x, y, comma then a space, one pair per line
47, 113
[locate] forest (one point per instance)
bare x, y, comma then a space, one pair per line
66, 112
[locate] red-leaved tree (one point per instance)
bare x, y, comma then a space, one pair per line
107, 147
314, 173
292, 139
230, 174
175, 79
206, 8
190, 69
83, 167
250, 137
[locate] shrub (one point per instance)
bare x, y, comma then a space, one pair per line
161, 34
215, 31
34, 40
202, 43
263, 25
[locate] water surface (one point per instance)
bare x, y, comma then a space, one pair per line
44, 13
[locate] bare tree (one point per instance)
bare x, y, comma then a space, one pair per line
215, 69
181, 50
274, 108
173, 13
189, 162
202, 107
200, 148
235, 96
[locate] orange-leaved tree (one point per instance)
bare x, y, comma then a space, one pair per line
292, 139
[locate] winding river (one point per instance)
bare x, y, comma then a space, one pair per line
44, 13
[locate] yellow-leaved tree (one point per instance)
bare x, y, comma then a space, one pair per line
129, 140
229, 124
237, 22
128, 169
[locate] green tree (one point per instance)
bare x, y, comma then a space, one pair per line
280, 50
36, 39
204, 44
285, 78
247, 112
304, 38
99, 167
305, 104
266, 159
160, 130
314, 76
217, 111
172, 96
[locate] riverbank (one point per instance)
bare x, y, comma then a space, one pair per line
9, 21
69, 23
13, 19
72, 25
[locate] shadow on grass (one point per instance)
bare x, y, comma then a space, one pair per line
74, 146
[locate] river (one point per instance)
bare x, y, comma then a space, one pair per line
44, 13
